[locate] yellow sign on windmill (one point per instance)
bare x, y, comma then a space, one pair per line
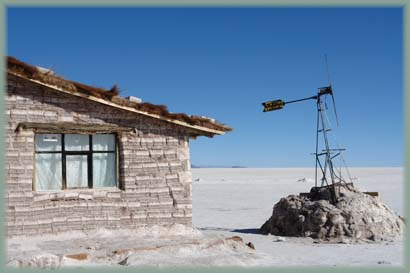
273, 105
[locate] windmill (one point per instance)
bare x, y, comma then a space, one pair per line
324, 156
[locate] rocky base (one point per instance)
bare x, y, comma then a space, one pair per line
355, 216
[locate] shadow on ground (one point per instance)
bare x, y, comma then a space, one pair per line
247, 230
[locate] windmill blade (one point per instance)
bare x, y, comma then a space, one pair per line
331, 90
334, 106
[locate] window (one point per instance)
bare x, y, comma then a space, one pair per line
69, 161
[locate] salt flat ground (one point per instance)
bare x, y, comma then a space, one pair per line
238, 201
226, 203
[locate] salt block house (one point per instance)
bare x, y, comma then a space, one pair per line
80, 157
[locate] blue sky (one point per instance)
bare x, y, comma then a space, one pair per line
224, 62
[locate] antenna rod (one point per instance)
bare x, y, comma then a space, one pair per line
327, 71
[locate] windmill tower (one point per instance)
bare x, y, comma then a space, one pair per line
330, 178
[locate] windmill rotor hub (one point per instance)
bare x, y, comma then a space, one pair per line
325, 90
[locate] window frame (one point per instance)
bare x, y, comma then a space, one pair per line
89, 153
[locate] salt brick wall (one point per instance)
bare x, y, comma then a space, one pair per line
154, 168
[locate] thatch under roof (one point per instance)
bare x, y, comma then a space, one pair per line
31, 72
71, 128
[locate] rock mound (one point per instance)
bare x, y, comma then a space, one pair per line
355, 216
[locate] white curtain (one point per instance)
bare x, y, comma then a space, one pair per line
104, 174
76, 165
48, 172
48, 142
76, 171
103, 142
104, 170
76, 142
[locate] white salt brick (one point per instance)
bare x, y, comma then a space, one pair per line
134, 204
171, 176
178, 214
18, 112
66, 119
99, 194
160, 203
139, 216
142, 153
71, 195
85, 196
184, 206
159, 214
149, 165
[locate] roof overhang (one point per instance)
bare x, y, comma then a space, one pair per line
194, 130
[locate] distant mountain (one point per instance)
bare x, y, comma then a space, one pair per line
215, 166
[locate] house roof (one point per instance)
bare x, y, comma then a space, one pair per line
199, 125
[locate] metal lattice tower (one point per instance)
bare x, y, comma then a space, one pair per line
325, 155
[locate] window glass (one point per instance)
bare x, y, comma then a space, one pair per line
48, 172
48, 142
76, 142
49, 157
104, 170
103, 142
76, 171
